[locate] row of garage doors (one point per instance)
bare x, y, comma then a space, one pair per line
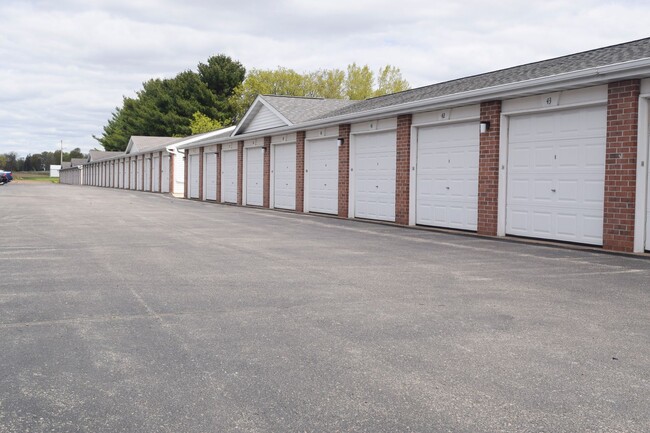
554, 184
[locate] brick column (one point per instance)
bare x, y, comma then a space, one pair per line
218, 173
403, 169
266, 183
620, 165
344, 169
201, 150
488, 169
300, 171
187, 157
240, 170
171, 173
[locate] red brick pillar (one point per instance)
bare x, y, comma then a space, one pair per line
218, 173
403, 169
240, 170
187, 157
266, 182
300, 171
201, 173
488, 169
620, 165
344, 169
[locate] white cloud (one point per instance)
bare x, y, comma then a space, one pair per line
65, 65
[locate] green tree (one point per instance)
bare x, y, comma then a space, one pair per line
357, 83
166, 107
201, 123
389, 80
222, 75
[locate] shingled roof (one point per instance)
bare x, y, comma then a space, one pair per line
300, 109
141, 143
611, 55
98, 155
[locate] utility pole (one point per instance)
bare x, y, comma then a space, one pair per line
61, 153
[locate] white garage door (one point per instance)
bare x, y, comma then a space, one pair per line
120, 178
147, 174
556, 175
229, 176
323, 172
193, 176
165, 174
132, 181
374, 176
210, 176
255, 176
447, 176
156, 174
284, 176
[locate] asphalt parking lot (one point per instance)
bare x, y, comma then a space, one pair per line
132, 312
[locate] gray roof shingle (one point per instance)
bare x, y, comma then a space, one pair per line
301, 109
614, 54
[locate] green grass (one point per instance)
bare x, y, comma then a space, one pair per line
38, 176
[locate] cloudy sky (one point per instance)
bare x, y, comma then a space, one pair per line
66, 64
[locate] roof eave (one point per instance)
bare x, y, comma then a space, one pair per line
582, 78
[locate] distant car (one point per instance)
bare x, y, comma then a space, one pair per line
10, 176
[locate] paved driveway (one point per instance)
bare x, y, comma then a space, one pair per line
135, 312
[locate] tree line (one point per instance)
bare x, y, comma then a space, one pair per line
38, 161
220, 91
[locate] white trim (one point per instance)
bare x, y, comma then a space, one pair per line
556, 107
272, 174
413, 163
503, 174
642, 176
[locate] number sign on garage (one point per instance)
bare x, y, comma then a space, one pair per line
447, 175
556, 174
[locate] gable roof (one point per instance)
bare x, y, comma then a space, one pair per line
198, 139
141, 143
615, 54
77, 161
272, 111
98, 155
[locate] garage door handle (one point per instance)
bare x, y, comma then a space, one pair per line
447, 187
553, 190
